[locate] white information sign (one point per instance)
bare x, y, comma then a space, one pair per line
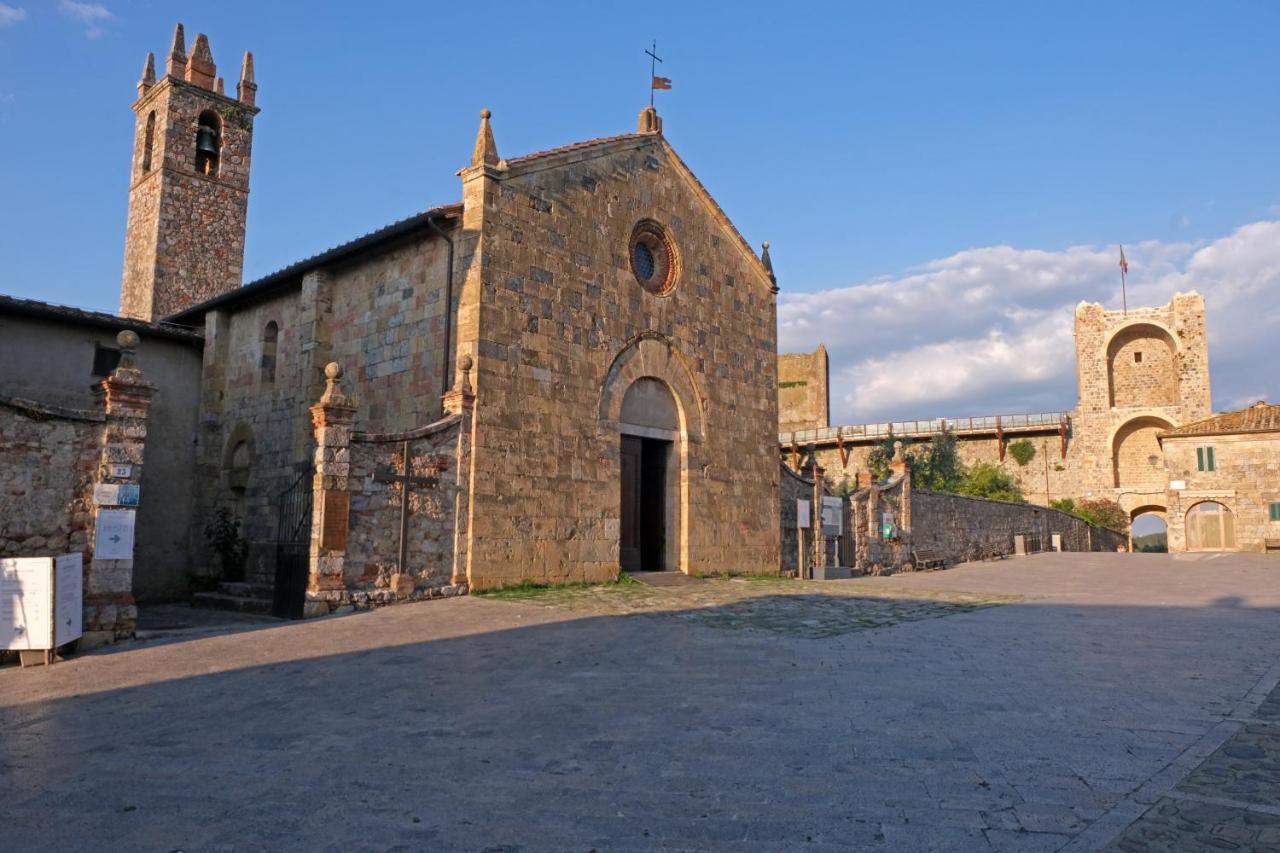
803, 514
1177, 485
113, 534
26, 603
68, 598
832, 516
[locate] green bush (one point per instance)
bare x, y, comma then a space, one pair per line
1022, 451
987, 480
223, 535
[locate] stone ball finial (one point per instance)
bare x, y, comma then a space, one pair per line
333, 370
485, 114
465, 363
765, 244
127, 339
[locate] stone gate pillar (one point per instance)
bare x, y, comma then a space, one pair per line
331, 417
461, 400
109, 609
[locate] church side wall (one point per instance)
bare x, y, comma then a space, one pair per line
380, 318
53, 364
557, 304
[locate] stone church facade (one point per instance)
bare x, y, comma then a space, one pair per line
606, 336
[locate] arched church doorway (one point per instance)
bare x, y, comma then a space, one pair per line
1149, 530
649, 432
1210, 527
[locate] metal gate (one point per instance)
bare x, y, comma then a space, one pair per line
293, 548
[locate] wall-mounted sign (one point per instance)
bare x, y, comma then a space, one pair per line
113, 535
1177, 485
832, 516
122, 471
116, 494
804, 512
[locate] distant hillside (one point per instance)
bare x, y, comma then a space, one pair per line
1151, 543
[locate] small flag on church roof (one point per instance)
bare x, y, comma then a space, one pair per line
662, 82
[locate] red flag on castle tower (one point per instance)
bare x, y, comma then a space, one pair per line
1124, 265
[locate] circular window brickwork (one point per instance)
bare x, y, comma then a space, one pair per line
653, 258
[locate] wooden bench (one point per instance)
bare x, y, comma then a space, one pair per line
1271, 545
928, 560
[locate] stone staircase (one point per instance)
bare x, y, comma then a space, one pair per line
239, 596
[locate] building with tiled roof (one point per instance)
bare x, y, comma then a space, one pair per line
1224, 481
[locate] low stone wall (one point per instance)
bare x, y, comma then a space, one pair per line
48, 465
52, 459
960, 528
359, 510
373, 548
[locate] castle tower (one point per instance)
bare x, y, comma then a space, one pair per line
189, 188
1140, 372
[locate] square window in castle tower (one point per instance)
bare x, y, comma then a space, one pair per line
1137, 358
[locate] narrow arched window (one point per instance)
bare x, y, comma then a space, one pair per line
148, 140
208, 143
269, 336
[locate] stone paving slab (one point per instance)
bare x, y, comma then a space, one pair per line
797, 608
481, 724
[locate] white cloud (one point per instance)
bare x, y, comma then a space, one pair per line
10, 15
989, 331
94, 16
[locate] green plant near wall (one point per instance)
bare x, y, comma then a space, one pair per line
1022, 451
222, 532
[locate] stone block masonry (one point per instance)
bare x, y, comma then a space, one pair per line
51, 460
386, 507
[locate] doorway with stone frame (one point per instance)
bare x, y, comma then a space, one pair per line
649, 475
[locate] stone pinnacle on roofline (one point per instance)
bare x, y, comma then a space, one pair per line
177, 54
148, 78
486, 150
767, 262
247, 89
201, 69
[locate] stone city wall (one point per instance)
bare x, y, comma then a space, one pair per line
961, 528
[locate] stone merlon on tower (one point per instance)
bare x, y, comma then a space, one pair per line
189, 185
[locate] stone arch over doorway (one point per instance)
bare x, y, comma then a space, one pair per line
1137, 460
1142, 366
650, 403
1209, 526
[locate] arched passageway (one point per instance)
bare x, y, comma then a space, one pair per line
1210, 526
1149, 529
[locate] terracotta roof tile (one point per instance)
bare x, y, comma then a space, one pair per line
1260, 417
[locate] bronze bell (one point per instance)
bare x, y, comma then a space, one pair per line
207, 141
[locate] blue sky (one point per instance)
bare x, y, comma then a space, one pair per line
869, 143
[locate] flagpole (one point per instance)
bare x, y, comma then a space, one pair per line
1124, 274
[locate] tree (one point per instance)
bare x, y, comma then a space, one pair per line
938, 468
1101, 512
1022, 451
987, 480
1066, 505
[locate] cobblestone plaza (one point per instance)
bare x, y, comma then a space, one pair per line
1058, 702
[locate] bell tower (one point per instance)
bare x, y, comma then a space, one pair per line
189, 187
